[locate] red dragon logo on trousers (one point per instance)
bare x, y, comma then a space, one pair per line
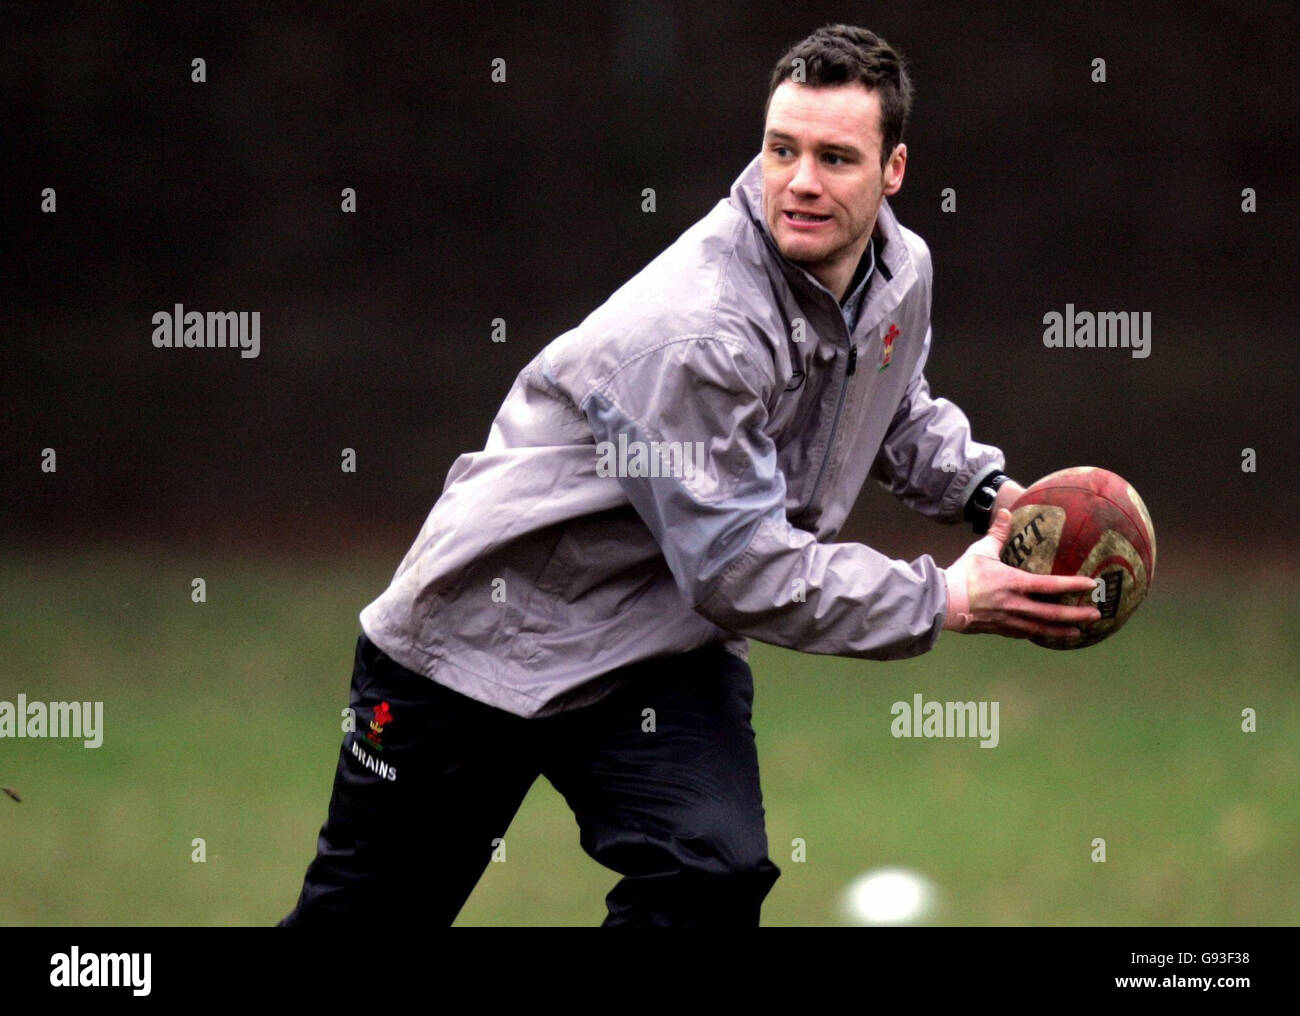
383, 716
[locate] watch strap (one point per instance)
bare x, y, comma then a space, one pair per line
979, 506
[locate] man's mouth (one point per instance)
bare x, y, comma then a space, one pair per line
805, 218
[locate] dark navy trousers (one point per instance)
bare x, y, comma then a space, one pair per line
427, 785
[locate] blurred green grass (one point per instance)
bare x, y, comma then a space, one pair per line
222, 722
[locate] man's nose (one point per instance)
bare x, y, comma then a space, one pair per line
805, 177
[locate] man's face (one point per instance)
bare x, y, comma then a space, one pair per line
821, 155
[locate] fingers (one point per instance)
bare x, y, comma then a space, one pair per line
995, 581
1007, 601
1008, 494
1033, 629
1016, 627
1050, 585
1043, 611
1000, 528
990, 544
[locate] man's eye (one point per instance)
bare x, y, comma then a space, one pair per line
832, 155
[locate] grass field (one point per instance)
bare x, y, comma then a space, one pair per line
222, 722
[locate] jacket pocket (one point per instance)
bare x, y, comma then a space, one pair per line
597, 560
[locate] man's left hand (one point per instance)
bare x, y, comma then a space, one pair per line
1007, 495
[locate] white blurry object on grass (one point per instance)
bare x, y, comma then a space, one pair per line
890, 896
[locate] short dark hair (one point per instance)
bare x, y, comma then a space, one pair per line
843, 54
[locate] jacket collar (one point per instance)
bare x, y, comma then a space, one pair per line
893, 259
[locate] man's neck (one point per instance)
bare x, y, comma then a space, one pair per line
864, 264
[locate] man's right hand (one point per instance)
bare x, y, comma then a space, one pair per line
987, 596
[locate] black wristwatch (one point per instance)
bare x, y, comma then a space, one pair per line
979, 506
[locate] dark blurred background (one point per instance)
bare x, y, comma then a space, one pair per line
522, 200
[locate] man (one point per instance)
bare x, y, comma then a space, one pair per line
662, 482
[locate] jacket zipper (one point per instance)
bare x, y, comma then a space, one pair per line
835, 423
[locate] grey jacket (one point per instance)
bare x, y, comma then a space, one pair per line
727, 375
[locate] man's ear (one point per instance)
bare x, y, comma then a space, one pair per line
894, 170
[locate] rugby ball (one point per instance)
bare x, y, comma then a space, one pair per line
1086, 521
